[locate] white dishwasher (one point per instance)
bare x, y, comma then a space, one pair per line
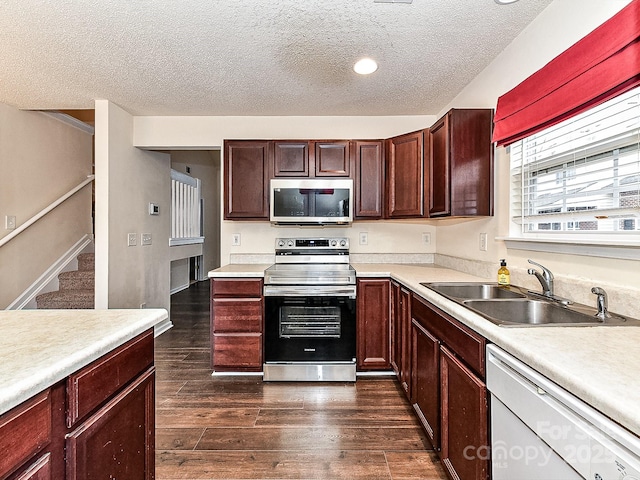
540, 431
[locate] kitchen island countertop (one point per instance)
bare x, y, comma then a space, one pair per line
600, 364
38, 348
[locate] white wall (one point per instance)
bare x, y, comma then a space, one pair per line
41, 159
127, 180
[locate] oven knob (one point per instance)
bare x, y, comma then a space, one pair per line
290, 243
281, 243
343, 243
334, 243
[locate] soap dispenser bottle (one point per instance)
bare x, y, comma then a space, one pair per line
504, 278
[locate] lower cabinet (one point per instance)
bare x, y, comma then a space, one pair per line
372, 327
401, 335
236, 324
448, 390
97, 423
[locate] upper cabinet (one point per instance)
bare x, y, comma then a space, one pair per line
332, 158
247, 167
461, 164
406, 180
368, 173
311, 158
290, 158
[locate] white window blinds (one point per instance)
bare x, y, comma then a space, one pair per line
582, 175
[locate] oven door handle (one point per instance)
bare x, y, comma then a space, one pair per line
309, 291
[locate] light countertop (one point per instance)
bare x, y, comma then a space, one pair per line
38, 348
600, 365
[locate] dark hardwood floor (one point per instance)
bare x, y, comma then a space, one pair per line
235, 427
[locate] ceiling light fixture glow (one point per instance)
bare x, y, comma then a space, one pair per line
365, 66
505, 2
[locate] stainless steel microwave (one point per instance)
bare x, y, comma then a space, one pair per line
312, 201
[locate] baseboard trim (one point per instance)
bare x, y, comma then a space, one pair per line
27, 298
179, 288
162, 327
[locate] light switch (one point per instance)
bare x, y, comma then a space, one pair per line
132, 239
145, 238
10, 222
235, 239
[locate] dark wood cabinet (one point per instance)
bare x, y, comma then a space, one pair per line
247, 170
465, 447
118, 440
99, 422
332, 158
425, 380
372, 327
401, 336
368, 179
461, 164
236, 324
290, 158
406, 179
448, 392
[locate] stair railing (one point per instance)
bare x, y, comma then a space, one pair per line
7, 238
186, 210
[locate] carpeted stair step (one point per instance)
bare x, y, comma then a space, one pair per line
77, 280
80, 299
86, 261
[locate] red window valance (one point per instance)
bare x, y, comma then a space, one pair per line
602, 65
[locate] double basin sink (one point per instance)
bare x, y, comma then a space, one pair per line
511, 306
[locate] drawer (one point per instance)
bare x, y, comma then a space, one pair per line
236, 352
231, 287
24, 431
89, 387
39, 470
464, 342
237, 315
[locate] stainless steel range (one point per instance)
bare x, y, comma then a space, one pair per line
310, 319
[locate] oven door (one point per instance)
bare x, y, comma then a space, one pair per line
310, 329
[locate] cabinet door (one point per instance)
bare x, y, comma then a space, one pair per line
396, 339
372, 328
118, 440
405, 340
439, 181
290, 159
332, 158
405, 183
39, 470
471, 157
246, 179
369, 179
465, 451
425, 382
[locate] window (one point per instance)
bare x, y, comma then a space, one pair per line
581, 176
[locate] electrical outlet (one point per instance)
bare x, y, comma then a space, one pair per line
483, 242
132, 239
235, 239
10, 222
364, 238
145, 239
426, 238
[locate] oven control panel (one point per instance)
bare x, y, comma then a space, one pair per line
338, 243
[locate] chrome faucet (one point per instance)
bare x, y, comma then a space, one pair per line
602, 303
545, 278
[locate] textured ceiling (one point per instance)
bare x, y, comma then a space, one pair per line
250, 57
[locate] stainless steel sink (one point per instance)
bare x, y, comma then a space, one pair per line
529, 312
475, 290
513, 306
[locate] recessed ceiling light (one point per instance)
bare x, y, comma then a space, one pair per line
505, 2
365, 66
